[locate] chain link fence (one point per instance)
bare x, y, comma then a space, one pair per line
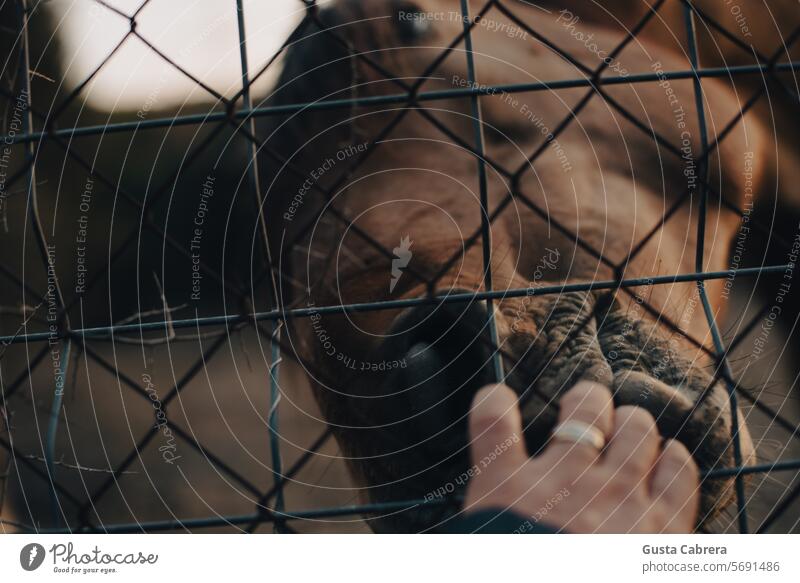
51, 337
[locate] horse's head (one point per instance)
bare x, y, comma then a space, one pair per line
575, 192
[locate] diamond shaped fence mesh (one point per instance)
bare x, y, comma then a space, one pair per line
64, 178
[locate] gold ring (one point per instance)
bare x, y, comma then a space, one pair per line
579, 432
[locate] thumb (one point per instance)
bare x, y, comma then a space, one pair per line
495, 426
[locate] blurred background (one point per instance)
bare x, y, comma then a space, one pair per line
120, 204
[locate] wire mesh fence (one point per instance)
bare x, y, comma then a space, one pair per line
63, 342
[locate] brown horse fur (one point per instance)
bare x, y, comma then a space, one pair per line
399, 414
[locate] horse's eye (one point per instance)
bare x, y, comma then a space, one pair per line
411, 22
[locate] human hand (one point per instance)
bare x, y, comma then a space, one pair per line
632, 485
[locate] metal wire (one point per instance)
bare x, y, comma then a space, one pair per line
270, 507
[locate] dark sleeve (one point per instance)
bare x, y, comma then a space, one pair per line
496, 521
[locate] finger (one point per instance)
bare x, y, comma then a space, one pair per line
495, 426
633, 448
590, 403
676, 486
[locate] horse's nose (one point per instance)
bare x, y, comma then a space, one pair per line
447, 354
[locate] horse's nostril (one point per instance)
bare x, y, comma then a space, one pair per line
447, 354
